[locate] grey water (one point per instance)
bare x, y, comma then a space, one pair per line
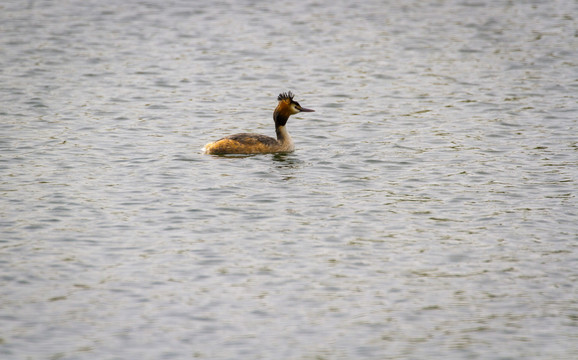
428, 212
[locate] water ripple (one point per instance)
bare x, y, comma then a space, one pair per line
432, 191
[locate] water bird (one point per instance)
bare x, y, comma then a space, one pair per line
249, 143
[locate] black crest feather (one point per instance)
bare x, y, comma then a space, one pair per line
285, 96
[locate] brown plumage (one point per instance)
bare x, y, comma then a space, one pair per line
249, 143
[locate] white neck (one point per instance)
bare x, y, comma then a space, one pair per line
284, 138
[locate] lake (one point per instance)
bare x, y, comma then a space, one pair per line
429, 210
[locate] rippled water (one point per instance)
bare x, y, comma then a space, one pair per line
428, 212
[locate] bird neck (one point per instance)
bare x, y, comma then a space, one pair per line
280, 116
282, 134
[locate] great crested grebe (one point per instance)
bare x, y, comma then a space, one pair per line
245, 143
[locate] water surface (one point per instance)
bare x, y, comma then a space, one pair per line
429, 210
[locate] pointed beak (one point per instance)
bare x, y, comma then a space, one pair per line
302, 109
